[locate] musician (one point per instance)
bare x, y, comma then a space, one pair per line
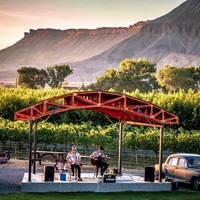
98, 158
74, 159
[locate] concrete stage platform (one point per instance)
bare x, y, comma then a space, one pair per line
124, 182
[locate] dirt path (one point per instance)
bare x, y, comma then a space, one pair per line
21, 164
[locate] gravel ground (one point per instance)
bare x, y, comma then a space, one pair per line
11, 175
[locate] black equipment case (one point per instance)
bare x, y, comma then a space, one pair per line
109, 178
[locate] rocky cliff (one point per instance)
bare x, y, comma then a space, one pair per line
46, 47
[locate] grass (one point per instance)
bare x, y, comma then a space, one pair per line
173, 195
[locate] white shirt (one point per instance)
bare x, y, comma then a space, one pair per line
73, 157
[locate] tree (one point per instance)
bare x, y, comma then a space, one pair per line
137, 74
56, 75
174, 78
108, 80
132, 74
197, 77
30, 77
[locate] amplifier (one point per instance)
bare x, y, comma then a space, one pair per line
109, 178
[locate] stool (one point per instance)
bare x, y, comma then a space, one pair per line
70, 173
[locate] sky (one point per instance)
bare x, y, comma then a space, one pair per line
19, 16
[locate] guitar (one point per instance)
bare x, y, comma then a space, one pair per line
97, 160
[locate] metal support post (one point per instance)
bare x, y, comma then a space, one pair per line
120, 148
35, 148
160, 153
30, 150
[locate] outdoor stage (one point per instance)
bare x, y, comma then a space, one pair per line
123, 183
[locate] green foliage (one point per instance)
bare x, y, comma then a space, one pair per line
92, 129
132, 74
108, 80
85, 134
197, 76
174, 78
79, 116
186, 105
56, 75
15, 99
15, 131
141, 75
29, 77
136, 74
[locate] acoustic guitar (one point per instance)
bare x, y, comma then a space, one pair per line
97, 160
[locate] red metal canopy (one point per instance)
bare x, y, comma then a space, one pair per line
120, 106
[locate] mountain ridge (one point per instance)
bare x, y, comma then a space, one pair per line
165, 40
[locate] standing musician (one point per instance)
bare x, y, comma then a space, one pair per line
74, 159
98, 158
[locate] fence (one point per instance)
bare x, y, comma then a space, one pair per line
130, 158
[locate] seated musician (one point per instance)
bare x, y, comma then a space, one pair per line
74, 159
98, 158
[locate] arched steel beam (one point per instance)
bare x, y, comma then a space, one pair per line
119, 106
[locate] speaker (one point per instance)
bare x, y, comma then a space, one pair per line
48, 173
149, 174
